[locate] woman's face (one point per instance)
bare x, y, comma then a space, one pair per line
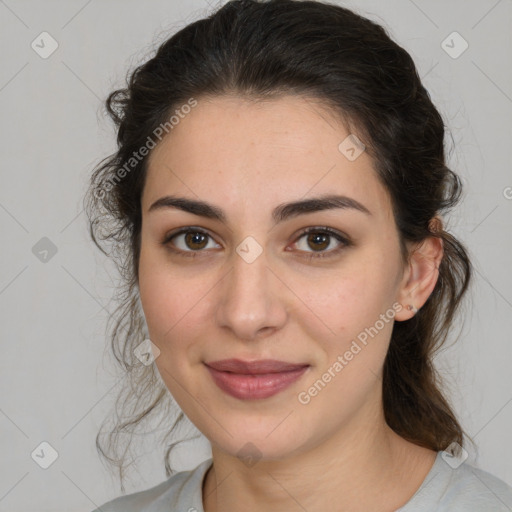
246, 283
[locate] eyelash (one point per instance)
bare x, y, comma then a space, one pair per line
345, 242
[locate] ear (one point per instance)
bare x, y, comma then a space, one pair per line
421, 275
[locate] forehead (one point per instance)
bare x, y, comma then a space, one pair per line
284, 121
235, 148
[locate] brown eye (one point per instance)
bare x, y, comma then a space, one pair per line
196, 241
190, 240
316, 242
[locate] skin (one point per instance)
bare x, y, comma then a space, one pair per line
246, 158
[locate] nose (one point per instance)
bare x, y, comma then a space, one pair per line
251, 303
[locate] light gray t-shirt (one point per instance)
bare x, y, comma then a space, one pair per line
445, 489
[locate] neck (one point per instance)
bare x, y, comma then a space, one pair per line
364, 466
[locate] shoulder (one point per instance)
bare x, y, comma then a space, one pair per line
182, 491
473, 487
462, 487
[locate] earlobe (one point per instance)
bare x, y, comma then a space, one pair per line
421, 278
414, 310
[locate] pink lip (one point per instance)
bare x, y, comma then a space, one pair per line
250, 380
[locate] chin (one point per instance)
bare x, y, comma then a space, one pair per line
261, 440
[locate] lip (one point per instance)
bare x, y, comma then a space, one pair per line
251, 380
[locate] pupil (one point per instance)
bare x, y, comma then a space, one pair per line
319, 239
195, 239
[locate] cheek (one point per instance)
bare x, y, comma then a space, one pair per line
178, 307
169, 298
168, 308
348, 300
348, 371
348, 308
171, 308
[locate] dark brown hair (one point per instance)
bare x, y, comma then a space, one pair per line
261, 50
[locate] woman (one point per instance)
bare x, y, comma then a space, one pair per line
277, 199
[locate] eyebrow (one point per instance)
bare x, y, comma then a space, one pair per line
279, 214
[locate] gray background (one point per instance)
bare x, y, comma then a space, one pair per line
56, 377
